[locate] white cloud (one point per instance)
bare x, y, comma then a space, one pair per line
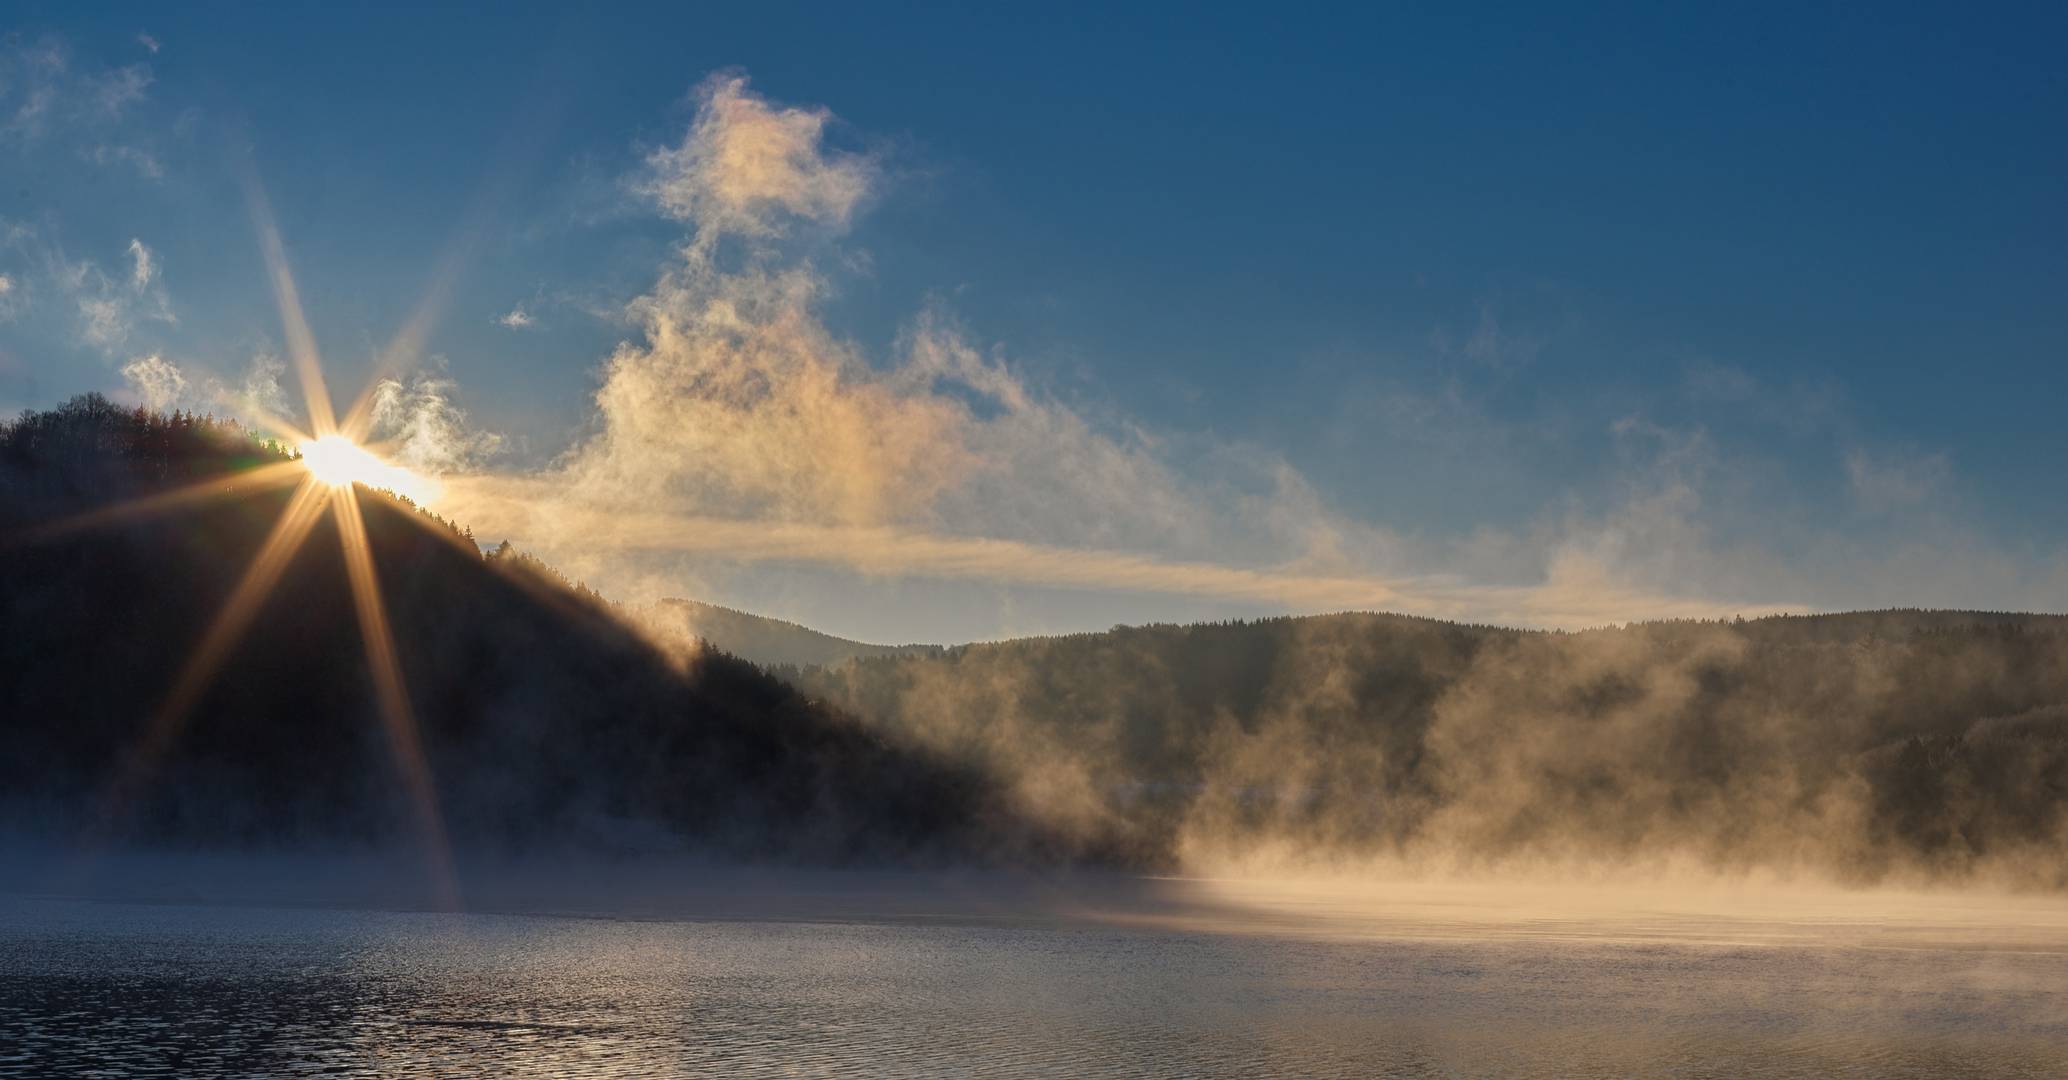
149, 43
144, 267
47, 98
261, 386
426, 431
257, 399
41, 88
108, 311
157, 382
517, 319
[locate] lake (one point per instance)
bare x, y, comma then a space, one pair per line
183, 970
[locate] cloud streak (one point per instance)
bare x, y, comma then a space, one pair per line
1578, 594
45, 94
109, 309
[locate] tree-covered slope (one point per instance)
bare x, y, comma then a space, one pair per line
1864, 746
543, 719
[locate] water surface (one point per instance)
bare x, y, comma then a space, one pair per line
930, 976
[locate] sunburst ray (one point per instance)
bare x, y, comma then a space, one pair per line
278, 474
315, 494
391, 694
558, 599
230, 623
301, 343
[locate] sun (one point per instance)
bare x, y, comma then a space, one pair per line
329, 467
336, 461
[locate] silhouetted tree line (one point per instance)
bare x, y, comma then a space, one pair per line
90, 443
545, 721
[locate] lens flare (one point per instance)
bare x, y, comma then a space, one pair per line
330, 466
338, 462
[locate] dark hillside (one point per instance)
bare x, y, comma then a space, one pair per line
543, 719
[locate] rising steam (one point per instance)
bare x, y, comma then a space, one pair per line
738, 428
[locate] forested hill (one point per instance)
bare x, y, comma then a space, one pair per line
1887, 745
766, 641
1871, 746
543, 720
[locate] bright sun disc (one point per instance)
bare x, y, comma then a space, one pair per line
337, 462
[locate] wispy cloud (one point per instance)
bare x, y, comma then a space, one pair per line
109, 310
258, 393
740, 428
1577, 594
425, 430
143, 161
736, 429
48, 98
157, 382
144, 266
749, 167
516, 319
42, 88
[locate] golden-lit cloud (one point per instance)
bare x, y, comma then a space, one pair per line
746, 165
740, 402
739, 428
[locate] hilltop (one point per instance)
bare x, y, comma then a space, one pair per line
770, 642
544, 720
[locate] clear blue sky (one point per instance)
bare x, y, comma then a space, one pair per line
1742, 304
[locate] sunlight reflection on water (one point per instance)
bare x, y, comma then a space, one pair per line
135, 989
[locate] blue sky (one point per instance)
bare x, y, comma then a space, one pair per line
1488, 313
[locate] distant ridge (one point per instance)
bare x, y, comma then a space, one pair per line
775, 642
1892, 745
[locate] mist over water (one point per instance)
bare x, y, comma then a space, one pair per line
1532, 397
673, 971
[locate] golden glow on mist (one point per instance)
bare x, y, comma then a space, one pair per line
336, 461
